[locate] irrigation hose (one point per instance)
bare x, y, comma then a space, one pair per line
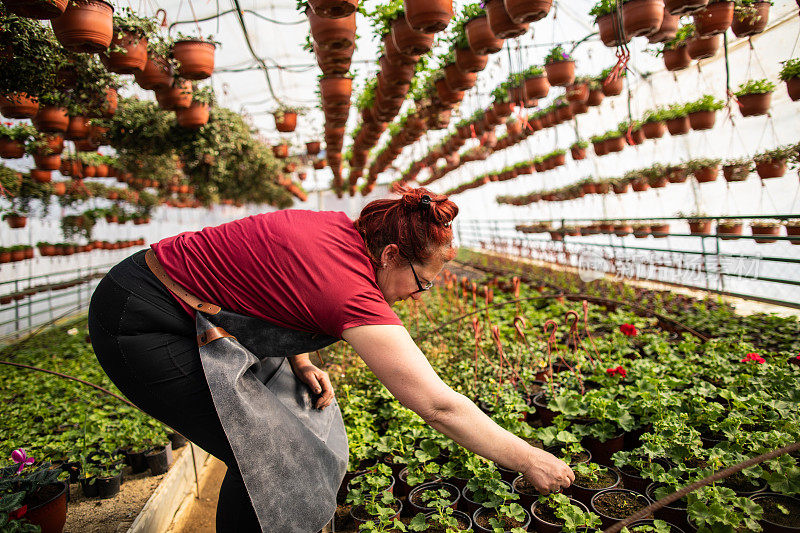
722, 474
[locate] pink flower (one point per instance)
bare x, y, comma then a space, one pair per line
618, 370
20, 457
754, 357
628, 329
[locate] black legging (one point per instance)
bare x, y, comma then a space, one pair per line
146, 343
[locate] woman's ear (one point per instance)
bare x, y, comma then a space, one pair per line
389, 255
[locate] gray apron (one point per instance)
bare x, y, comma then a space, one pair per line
292, 456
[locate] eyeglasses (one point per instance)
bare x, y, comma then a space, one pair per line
422, 287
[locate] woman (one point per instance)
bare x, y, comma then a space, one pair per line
294, 271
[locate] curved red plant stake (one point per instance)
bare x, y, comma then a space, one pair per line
576, 341
551, 341
585, 305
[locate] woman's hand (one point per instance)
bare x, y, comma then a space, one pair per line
548, 473
316, 378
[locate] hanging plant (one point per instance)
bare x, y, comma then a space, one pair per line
560, 67
13, 138
36, 9
750, 17
675, 52
612, 86
86, 26
195, 56
500, 21
197, 114
704, 169
773, 163
702, 112
790, 74
677, 119
332, 34
476, 26
642, 17
332, 9
737, 169
715, 18
605, 16
754, 97
128, 51
428, 16
526, 11
767, 228
158, 71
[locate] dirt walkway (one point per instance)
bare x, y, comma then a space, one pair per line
198, 515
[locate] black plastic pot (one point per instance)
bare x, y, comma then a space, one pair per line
484, 510
603, 450
73, 469
108, 487
458, 515
158, 460
606, 520
177, 440
545, 414
136, 460
359, 520
542, 526
89, 487
415, 508
674, 513
468, 505
790, 502
585, 494
673, 527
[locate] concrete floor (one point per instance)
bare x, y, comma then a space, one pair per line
197, 515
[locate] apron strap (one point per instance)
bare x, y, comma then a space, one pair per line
192, 301
212, 334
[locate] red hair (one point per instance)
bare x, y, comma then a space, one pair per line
418, 223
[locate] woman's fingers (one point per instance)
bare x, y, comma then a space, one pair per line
548, 473
326, 389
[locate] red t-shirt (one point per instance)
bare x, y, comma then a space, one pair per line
304, 270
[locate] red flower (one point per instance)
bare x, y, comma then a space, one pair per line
628, 329
19, 513
754, 357
618, 370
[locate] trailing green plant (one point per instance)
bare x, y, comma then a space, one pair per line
790, 69
706, 103
760, 86
384, 14
603, 7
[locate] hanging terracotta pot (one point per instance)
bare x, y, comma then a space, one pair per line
11, 149
615, 144
577, 92
715, 18
500, 22
706, 174
677, 58
613, 87
41, 175
176, 96
702, 47
86, 145
18, 105
754, 104
702, 120
447, 95
99, 134
78, 128
428, 16
157, 74
193, 117
468, 61
684, 7
642, 17
771, 168
16, 222
793, 88
332, 34
654, 130
51, 119
458, 80
678, 125
47, 162
596, 97
408, 40
59, 188
394, 55
577, 153
773, 230
85, 26
750, 20
667, 30
196, 58
537, 86
396, 74
132, 60
285, 122
560, 73
336, 90
36, 9
480, 37
607, 26
55, 143
526, 11
333, 9
110, 103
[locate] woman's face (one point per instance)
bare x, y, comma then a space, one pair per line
396, 279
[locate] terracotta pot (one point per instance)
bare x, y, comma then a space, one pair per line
735, 172
667, 30
613, 87
659, 231
607, 26
86, 145
771, 169
47, 162
702, 120
313, 147
332, 34
677, 58
600, 148
754, 104
748, 22
458, 80
175, 96
85, 26
55, 143
36, 9
729, 230
51, 119
642, 17
132, 60
335, 90
333, 9
11, 149
428, 16
500, 22
16, 222
678, 126
564, 113
677, 175
196, 59
706, 174
699, 47
700, 227
396, 73
157, 74
18, 105
793, 230
596, 97
480, 37
468, 61
537, 87
560, 73
78, 128
640, 185
50, 515
447, 95
408, 40
287, 123
684, 7
577, 92
654, 130
394, 55
193, 117
714, 19
793, 88
615, 144
577, 153
41, 175
526, 11
111, 102
766, 230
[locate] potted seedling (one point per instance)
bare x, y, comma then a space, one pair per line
613, 505
790, 74
371, 497
556, 513
754, 97
591, 478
